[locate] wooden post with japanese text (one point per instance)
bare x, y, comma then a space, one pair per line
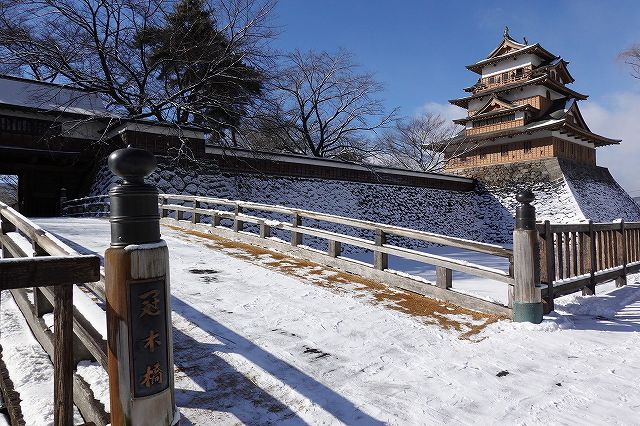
140, 345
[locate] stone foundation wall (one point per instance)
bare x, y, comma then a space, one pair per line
565, 191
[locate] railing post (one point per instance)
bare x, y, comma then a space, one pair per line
164, 212
547, 265
63, 199
296, 237
42, 304
380, 260
195, 217
590, 289
63, 354
265, 230
238, 225
334, 249
527, 299
622, 255
139, 342
443, 277
6, 226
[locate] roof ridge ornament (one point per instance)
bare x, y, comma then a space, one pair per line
525, 41
505, 34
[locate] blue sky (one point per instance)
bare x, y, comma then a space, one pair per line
419, 50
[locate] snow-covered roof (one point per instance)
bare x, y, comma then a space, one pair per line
49, 97
535, 49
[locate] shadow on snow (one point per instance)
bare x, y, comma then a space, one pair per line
228, 390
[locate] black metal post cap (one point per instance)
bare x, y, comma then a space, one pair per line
525, 196
132, 164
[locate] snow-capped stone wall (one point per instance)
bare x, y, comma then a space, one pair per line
565, 192
472, 215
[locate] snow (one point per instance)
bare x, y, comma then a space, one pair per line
255, 344
98, 380
49, 97
147, 246
92, 312
28, 364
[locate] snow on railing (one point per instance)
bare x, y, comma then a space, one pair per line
40, 271
382, 239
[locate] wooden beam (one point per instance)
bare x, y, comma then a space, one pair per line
49, 270
63, 355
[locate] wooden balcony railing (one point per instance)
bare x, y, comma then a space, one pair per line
487, 83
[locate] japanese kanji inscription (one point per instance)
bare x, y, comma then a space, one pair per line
148, 331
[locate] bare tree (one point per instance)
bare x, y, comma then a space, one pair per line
142, 63
631, 56
420, 143
324, 106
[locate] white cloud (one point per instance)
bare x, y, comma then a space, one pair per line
620, 121
447, 111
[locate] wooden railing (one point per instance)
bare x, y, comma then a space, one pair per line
97, 206
578, 256
498, 80
34, 260
379, 244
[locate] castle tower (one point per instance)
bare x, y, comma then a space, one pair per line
524, 130
521, 109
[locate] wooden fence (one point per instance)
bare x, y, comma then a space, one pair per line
96, 206
34, 261
379, 244
576, 257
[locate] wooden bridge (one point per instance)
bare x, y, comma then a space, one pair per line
568, 258
560, 259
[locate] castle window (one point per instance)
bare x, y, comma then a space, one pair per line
527, 146
504, 150
505, 76
483, 155
492, 80
519, 72
494, 120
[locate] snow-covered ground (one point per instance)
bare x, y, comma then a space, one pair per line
265, 339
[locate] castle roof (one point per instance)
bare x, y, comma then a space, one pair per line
508, 48
494, 107
543, 79
563, 115
25, 94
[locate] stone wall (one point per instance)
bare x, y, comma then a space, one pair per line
472, 215
565, 191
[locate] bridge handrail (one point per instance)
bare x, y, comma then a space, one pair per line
33, 257
579, 256
486, 248
236, 211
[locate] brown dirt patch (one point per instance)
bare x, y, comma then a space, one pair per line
447, 315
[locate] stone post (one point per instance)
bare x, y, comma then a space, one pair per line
140, 345
527, 299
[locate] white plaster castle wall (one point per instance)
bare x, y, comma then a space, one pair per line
510, 64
